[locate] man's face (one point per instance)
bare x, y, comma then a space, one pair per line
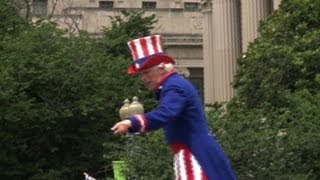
151, 77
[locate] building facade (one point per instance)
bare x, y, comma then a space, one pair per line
203, 36
229, 26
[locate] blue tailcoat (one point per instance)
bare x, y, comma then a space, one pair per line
180, 113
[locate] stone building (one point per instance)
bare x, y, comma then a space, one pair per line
203, 36
228, 27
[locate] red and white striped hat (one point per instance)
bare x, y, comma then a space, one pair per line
147, 52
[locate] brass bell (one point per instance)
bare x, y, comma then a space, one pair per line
135, 107
124, 110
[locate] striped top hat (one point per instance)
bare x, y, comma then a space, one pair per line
147, 52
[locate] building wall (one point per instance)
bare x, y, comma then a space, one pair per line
181, 29
173, 18
205, 43
161, 4
231, 25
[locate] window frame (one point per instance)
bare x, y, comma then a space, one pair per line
191, 6
149, 5
107, 5
40, 7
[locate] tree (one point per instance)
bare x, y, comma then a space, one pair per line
59, 97
285, 58
11, 22
271, 126
125, 27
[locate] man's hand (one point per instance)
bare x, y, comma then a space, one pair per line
122, 127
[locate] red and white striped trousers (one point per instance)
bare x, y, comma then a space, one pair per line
186, 167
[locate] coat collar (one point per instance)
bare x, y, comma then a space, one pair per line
163, 78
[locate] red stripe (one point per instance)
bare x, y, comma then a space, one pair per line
133, 50
154, 44
144, 47
203, 176
177, 147
187, 160
145, 122
139, 122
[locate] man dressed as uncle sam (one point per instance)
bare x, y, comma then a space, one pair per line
197, 155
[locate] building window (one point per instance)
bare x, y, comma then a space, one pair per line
198, 84
196, 78
190, 6
106, 5
149, 5
40, 7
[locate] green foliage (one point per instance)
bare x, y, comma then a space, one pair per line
125, 27
59, 97
284, 58
11, 22
148, 157
272, 143
270, 129
54, 106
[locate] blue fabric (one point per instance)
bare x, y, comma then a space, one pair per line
180, 113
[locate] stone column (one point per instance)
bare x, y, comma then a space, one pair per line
252, 11
207, 51
276, 4
226, 46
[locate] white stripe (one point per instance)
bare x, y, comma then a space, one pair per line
158, 43
182, 165
196, 168
138, 48
149, 46
140, 119
176, 166
131, 49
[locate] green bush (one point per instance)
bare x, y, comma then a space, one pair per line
270, 129
272, 143
59, 97
284, 58
148, 157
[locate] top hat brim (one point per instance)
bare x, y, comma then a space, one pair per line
153, 61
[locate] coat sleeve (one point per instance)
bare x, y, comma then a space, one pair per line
172, 103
